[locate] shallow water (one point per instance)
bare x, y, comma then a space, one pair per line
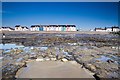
26, 49
43, 48
103, 58
9, 46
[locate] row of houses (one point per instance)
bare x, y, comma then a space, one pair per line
108, 29
41, 28
6, 29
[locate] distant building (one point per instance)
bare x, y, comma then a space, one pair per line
18, 28
47, 28
41, 28
44, 27
53, 28
21, 28
108, 29
100, 29
35, 28
25, 28
6, 29
64, 28
115, 29
73, 28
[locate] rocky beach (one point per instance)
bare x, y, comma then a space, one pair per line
96, 52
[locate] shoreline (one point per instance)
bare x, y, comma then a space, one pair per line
61, 32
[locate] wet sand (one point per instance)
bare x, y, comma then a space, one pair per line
53, 69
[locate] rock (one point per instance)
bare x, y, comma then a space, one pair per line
47, 59
91, 67
39, 59
33, 57
92, 55
97, 61
96, 77
9, 71
53, 59
110, 61
64, 60
25, 64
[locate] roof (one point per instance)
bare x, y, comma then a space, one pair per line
62, 25
99, 29
71, 25
8, 27
35, 26
12, 28
108, 27
116, 27
5, 27
17, 26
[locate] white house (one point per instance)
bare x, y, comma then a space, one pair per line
44, 28
35, 28
100, 30
18, 28
25, 28
48, 28
73, 28
108, 29
59, 28
6, 29
21, 28
115, 29
51, 28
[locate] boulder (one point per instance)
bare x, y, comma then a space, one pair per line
64, 60
91, 67
39, 59
97, 61
110, 61
47, 59
53, 59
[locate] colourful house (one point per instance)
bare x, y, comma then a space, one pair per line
41, 28
63, 27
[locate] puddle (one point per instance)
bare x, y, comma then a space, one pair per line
1, 59
66, 53
20, 59
72, 44
103, 58
9, 46
43, 48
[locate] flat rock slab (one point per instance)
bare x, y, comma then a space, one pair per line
53, 69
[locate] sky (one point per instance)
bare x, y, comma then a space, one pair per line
85, 15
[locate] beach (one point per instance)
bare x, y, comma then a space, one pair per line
53, 52
53, 69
